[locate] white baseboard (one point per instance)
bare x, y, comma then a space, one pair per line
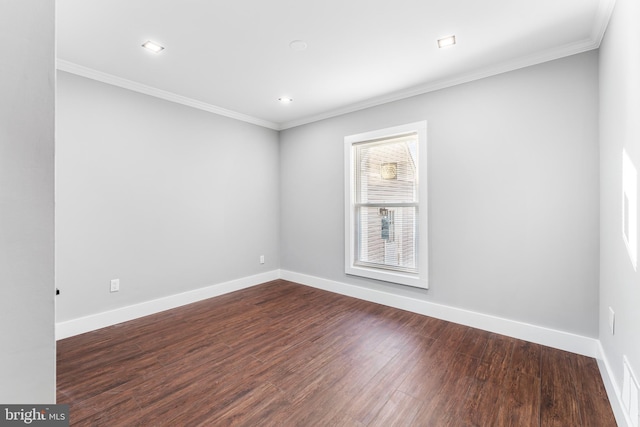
538, 334
81, 325
550, 337
614, 392
586, 346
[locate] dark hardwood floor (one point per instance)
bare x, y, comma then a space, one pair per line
283, 354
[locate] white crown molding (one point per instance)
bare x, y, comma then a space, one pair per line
525, 331
603, 15
92, 322
601, 20
534, 59
90, 73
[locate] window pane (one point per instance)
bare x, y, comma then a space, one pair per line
387, 237
387, 171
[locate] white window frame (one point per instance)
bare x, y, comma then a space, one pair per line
420, 278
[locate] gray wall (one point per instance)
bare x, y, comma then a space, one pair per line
513, 194
27, 352
164, 197
619, 129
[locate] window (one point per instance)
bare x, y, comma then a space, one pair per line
386, 205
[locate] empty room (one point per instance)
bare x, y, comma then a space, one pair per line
357, 213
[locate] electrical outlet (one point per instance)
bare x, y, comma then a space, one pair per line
261, 259
612, 321
115, 285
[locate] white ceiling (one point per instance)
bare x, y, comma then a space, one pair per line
233, 57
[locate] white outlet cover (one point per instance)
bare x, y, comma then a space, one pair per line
612, 321
115, 285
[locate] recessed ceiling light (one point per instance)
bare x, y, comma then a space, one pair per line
285, 100
446, 41
153, 47
298, 45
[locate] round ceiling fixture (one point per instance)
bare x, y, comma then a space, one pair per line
298, 45
285, 100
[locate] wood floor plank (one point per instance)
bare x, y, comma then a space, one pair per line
362, 370
400, 410
474, 343
560, 405
426, 377
365, 406
496, 359
109, 408
446, 406
237, 412
393, 343
110, 375
520, 401
481, 404
283, 354
595, 409
452, 335
526, 358
433, 327
319, 408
